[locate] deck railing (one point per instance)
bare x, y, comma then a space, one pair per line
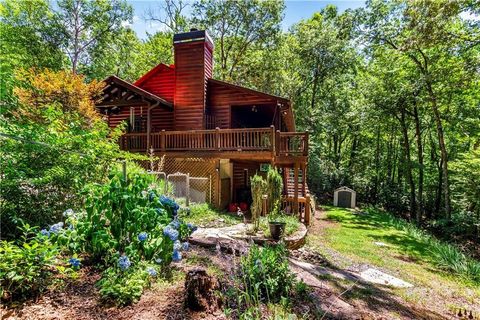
218, 140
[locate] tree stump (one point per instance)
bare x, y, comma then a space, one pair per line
200, 291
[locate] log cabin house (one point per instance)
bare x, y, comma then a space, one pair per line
210, 128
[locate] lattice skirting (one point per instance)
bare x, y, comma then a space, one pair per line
197, 168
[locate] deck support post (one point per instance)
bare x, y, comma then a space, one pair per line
307, 210
295, 193
304, 177
149, 128
162, 140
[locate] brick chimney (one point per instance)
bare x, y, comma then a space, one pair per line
193, 54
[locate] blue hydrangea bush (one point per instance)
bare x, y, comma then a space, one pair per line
131, 228
127, 227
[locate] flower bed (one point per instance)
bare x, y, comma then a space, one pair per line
127, 228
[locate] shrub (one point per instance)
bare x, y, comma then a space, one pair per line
26, 268
125, 286
274, 187
259, 188
57, 145
128, 224
265, 272
130, 217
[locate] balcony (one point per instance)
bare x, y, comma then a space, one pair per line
229, 142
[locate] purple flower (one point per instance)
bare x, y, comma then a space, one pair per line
45, 232
169, 203
55, 228
185, 246
177, 245
191, 227
176, 256
68, 213
175, 224
74, 262
168, 231
151, 271
142, 236
124, 263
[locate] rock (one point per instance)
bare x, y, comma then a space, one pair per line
376, 276
200, 291
381, 244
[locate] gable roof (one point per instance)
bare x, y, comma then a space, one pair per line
151, 73
120, 92
251, 91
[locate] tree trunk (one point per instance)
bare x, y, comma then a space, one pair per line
200, 291
420, 165
408, 163
443, 150
438, 196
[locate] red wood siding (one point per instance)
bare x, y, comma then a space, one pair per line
162, 119
159, 81
221, 97
124, 114
193, 66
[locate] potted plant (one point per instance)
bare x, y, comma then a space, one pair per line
276, 222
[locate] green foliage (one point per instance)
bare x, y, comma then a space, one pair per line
258, 187
26, 267
263, 277
243, 31
274, 187
203, 214
119, 211
52, 150
291, 223
123, 287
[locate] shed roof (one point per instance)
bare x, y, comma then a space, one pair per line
345, 189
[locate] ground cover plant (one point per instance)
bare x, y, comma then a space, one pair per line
203, 214
262, 283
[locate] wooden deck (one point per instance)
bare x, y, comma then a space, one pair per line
255, 143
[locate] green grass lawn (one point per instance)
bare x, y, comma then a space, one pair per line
203, 215
409, 253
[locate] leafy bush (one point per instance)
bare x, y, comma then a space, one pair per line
274, 187
258, 186
26, 268
128, 225
125, 286
263, 277
57, 145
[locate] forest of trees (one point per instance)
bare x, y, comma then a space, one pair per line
390, 92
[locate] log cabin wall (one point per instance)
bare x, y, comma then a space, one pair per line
123, 114
161, 119
193, 66
221, 97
